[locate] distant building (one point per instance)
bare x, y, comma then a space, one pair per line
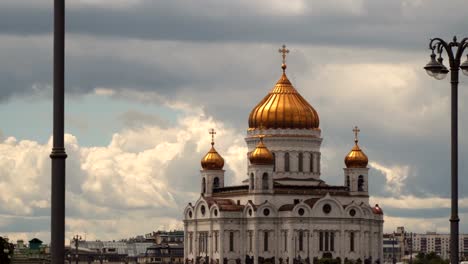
131, 249
35, 244
163, 254
412, 243
163, 237
392, 249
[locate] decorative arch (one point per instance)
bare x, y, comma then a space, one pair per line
304, 207
214, 211
267, 205
354, 206
247, 209
336, 207
196, 209
187, 210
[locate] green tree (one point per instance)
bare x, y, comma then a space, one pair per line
6, 251
430, 258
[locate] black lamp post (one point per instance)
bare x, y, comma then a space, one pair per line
58, 155
76, 240
435, 68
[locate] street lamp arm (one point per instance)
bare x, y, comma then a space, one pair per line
461, 48
439, 45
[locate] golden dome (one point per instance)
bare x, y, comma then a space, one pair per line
356, 157
212, 159
283, 107
261, 155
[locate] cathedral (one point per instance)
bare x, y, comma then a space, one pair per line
283, 212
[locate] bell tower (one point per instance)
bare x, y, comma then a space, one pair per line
212, 173
356, 171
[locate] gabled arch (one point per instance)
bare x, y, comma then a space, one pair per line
267, 205
356, 207
305, 207
336, 210
189, 208
197, 207
214, 208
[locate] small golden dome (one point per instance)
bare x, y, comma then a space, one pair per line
356, 157
283, 107
261, 155
212, 159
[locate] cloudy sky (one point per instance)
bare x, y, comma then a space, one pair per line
146, 79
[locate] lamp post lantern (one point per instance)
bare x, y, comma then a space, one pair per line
436, 68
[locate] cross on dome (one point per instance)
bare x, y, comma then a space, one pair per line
356, 131
212, 132
283, 52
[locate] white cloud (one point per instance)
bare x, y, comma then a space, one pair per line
395, 176
111, 188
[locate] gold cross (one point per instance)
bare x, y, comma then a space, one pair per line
212, 133
356, 131
284, 51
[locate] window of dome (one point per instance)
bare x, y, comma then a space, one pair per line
326, 208
301, 211
250, 212
352, 212
190, 214
203, 210
266, 212
216, 212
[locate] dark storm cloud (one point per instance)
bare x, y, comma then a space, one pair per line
402, 24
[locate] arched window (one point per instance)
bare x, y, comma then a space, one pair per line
347, 181
265, 181
274, 162
252, 184
360, 185
300, 162
301, 240
215, 182
286, 162
351, 241
203, 185
311, 162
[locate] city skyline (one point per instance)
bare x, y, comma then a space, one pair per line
147, 82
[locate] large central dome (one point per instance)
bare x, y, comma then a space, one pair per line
283, 108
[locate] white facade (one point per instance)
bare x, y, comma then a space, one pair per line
284, 212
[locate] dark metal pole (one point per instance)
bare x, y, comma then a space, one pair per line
58, 154
454, 220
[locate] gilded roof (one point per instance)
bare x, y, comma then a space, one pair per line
283, 107
212, 160
261, 155
356, 158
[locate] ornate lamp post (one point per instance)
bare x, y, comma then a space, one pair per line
76, 239
435, 68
